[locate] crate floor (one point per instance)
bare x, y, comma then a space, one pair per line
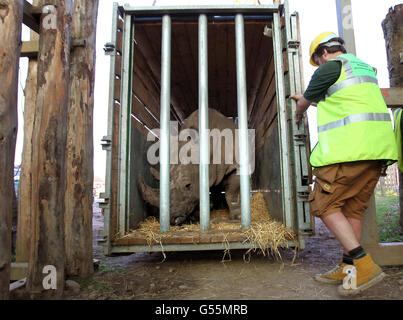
183, 237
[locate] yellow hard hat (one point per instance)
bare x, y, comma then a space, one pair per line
320, 39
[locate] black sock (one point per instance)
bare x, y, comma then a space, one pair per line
347, 259
357, 253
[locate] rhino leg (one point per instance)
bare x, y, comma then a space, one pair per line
232, 195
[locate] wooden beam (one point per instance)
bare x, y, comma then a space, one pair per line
387, 254
10, 30
29, 49
31, 16
19, 270
393, 97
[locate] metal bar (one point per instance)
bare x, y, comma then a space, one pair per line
202, 9
242, 121
282, 120
125, 112
203, 126
165, 122
194, 247
129, 126
214, 18
111, 106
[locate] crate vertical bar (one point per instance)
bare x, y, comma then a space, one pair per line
125, 112
108, 139
242, 121
165, 122
204, 153
282, 120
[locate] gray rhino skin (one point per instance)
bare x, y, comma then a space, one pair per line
184, 178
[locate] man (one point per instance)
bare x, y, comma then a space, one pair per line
356, 143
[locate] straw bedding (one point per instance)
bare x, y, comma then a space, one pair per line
265, 234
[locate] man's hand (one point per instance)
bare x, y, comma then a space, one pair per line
302, 105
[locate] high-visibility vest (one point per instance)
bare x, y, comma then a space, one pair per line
397, 115
353, 120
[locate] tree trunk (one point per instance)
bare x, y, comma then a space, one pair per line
79, 156
10, 29
48, 152
393, 32
25, 185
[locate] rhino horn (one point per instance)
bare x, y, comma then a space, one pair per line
150, 195
155, 173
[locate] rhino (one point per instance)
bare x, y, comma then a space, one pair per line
184, 178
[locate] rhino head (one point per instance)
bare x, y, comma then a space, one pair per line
183, 188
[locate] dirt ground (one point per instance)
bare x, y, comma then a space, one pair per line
204, 275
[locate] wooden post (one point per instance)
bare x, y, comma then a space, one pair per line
24, 187
79, 156
393, 32
10, 29
48, 153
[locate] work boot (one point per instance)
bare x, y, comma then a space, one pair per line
367, 274
334, 276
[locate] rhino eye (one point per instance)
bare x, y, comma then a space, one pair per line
187, 186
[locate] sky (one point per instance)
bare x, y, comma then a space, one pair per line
315, 17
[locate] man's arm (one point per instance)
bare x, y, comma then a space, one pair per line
302, 105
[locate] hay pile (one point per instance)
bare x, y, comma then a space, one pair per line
265, 234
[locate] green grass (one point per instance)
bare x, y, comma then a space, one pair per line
388, 215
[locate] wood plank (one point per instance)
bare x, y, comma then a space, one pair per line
19, 270
253, 44
183, 237
264, 95
149, 82
231, 85
10, 29
31, 16
393, 97
30, 49
183, 68
152, 50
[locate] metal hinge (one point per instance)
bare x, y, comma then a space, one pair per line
293, 44
105, 203
106, 143
109, 49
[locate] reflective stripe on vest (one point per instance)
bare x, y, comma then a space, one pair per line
349, 82
355, 118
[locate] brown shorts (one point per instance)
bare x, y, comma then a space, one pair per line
345, 187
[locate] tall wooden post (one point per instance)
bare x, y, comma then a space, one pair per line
10, 29
47, 253
25, 184
393, 32
79, 156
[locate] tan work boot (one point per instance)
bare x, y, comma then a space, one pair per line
367, 274
334, 276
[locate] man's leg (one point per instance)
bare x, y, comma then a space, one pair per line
356, 224
344, 232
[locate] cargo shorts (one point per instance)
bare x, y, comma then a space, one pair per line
345, 187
